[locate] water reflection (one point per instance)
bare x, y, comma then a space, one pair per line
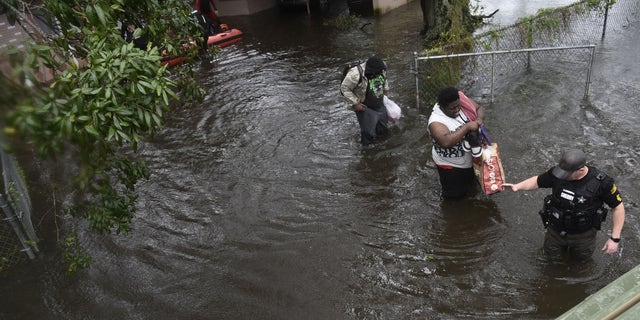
511, 11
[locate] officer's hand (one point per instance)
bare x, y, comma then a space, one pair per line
610, 247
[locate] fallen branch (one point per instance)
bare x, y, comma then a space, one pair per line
479, 18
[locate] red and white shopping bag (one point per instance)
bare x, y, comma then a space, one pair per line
488, 169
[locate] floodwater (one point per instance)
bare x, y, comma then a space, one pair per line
262, 205
510, 11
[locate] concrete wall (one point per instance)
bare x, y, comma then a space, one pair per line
247, 7
242, 7
384, 6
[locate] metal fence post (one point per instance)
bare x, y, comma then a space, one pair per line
606, 15
493, 55
586, 89
416, 73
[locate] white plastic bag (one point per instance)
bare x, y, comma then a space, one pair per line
393, 110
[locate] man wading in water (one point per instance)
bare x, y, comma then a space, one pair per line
365, 93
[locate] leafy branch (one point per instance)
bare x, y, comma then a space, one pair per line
104, 96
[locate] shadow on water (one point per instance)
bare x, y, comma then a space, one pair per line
262, 205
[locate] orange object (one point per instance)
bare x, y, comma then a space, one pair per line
222, 39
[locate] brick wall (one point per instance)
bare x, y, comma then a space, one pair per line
11, 35
15, 36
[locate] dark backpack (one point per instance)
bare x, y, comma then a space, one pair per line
348, 67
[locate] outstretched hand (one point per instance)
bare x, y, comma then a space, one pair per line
510, 185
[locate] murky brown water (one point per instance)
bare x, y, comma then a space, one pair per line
263, 206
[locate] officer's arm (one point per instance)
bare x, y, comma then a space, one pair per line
618, 220
611, 246
613, 199
529, 184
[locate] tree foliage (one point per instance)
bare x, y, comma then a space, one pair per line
105, 95
453, 21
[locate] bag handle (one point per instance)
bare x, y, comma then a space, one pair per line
483, 131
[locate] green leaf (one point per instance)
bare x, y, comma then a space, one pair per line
141, 88
157, 120
100, 14
146, 84
124, 136
42, 48
165, 98
116, 122
125, 112
147, 119
92, 130
111, 133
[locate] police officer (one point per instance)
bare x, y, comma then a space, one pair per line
574, 210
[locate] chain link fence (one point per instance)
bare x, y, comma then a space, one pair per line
9, 248
18, 239
567, 35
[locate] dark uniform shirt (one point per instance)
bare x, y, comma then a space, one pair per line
607, 193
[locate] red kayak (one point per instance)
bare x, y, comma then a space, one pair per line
222, 39
225, 38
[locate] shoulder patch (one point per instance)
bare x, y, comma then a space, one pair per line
614, 188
